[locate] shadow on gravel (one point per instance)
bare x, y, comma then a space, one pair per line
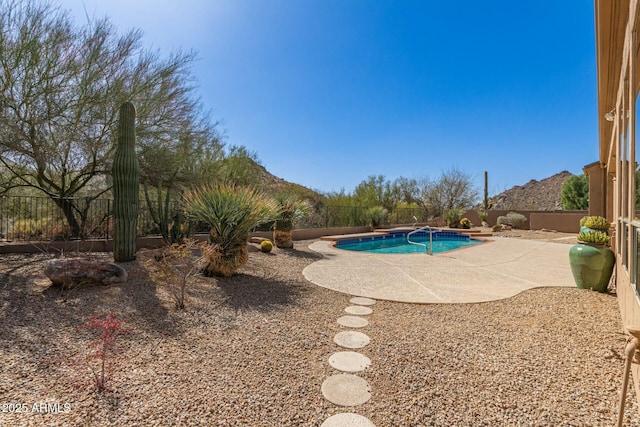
32, 306
246, 292
296, 253
17, 266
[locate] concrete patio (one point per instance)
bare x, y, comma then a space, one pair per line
497, 269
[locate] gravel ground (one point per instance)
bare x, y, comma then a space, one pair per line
252, 350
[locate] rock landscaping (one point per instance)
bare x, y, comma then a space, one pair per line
253, 350
72, 272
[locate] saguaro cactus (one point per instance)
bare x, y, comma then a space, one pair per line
485, 203
126, 181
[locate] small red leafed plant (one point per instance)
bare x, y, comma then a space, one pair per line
103, 350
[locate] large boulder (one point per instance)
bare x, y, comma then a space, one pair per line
72, 272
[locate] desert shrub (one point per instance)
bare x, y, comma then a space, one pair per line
376, 216
266, 246
453, 217
483, 215
26, 229
174, 266
437, 221
59, 232
513, 219
465, 223
55, 229
516, 219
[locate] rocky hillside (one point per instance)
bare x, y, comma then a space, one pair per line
534, 195
273, 185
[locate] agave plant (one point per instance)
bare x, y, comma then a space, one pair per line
231, 212
290, 208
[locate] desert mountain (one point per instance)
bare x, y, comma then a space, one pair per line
541, 195
534, 195
273, 185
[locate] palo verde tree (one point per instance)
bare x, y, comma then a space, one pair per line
370, 192
60, 88
379, 191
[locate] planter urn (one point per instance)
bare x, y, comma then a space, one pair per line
591, 265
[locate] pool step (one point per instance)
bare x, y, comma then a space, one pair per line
472, 232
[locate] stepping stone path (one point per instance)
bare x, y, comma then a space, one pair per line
349, 361
347, 419
358, 310
347, 389
353, 322
351, 339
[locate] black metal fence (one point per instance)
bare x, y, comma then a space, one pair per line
31, 218
354, 216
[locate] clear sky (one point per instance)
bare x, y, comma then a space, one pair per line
329, 92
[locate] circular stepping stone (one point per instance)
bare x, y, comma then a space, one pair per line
349, 361
352, 322
362, 301
358, 310
346, 390
351, 339
348, 419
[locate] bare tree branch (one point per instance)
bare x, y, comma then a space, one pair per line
60, 88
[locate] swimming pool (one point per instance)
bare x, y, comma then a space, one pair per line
396, 243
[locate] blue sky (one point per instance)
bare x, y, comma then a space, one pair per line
329, 92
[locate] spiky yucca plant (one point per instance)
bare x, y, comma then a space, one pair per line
231, 212
290, 208
376, 216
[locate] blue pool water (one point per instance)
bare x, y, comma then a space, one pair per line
397, 243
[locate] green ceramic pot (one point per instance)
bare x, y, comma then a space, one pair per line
591, 265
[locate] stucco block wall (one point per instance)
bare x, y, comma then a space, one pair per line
564, 221
567, 222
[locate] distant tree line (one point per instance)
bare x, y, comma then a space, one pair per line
453, 189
